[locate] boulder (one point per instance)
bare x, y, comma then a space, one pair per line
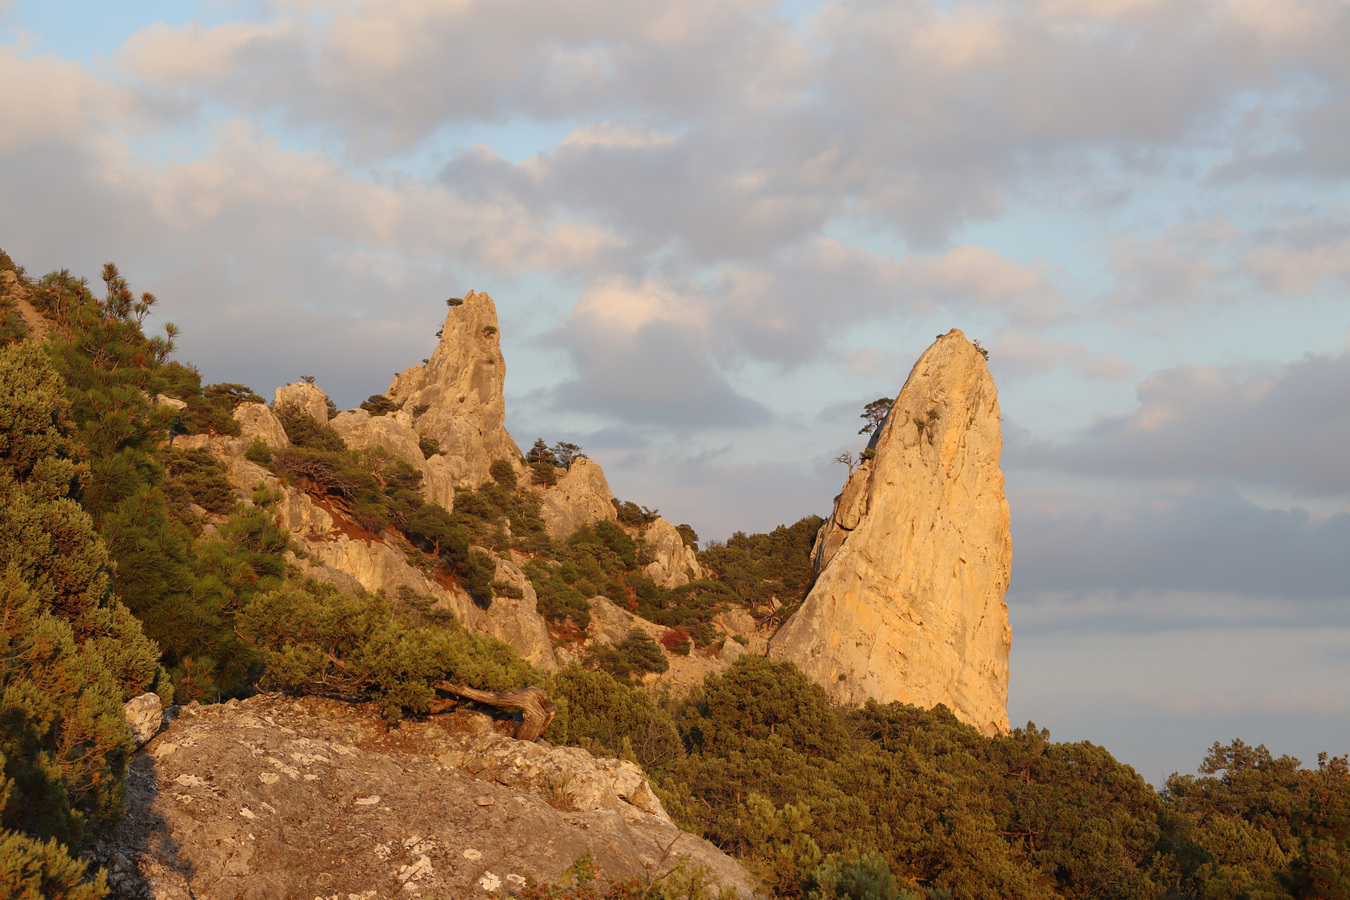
915, 559
581, 497
308, 397
675, 563
145, 715
256, 422
310, 797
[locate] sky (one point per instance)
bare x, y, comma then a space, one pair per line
716, 229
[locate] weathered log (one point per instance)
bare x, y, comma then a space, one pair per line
532, 702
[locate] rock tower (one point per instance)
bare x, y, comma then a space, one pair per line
456, 396
913, 564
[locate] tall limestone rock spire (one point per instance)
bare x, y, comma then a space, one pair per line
461, 390
914, 562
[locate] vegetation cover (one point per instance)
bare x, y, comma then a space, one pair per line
128, 564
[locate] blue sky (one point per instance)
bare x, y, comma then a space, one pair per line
715, 230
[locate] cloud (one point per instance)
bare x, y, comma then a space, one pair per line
641, 354
48, 100
1215, 262
1196, 539
1285, 426
920, 116
1015, 353
387, 75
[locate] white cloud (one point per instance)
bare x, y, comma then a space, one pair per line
48, 100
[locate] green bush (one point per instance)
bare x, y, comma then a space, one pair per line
503, 473
637, 654
429, 446
507, 589
259, 452
304, 432
70, 652
557, 601
313, 637
197, 476
632, 515
599, 714
379, 405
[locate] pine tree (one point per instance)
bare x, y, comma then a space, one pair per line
70, 652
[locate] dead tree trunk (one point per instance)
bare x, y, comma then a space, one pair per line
532, 702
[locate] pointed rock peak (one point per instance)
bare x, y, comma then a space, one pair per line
913, 563
455, 398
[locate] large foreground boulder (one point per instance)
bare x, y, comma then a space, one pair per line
914, 562
283, 797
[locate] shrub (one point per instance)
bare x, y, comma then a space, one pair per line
637, 654
429, 446
379, 405
259, 452
599, 714
689, 536
507, 589
314, 638
676, 640
503, 473
196, 475
304, 432
632, 515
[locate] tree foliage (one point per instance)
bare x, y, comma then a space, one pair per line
875, 413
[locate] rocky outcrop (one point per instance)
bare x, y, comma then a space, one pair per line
456, 396
329, 550
256, 422
280, 797
673, 562
310, 398
395, 435
914, 562
580, 498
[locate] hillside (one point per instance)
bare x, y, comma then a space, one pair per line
287, 573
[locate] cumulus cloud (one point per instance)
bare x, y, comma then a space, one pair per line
919, 115
1286, 427
49, 101
641, 354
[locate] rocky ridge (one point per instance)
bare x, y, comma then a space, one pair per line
914, 562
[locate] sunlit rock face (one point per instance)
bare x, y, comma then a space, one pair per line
914, 562
455, 398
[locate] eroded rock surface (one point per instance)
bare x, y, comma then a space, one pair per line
308, 397
456, 396
915, 560
673, 564
283, 797
581, 497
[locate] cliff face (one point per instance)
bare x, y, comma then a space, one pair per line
914, 562
281, 797
461, 388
